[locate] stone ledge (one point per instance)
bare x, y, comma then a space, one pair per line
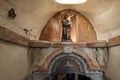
8, 35
39, 43
102, 43
114, 41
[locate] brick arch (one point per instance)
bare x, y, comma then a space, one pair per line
53, 55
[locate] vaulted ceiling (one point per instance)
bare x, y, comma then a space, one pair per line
34, 14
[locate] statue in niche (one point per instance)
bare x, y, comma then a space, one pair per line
67, 25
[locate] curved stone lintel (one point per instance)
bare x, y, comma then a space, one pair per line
53, 55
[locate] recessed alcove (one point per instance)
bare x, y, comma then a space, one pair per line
31, 44
89, 57
81, 28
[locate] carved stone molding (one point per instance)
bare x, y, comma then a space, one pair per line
114, 41
7, 35
39, 43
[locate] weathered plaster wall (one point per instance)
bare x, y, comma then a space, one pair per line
14, 62
113, 65
107, 23
23, 19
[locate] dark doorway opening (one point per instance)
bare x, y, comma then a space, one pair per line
82, 77
70, 67
70, 76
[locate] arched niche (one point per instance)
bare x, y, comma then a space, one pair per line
81, 31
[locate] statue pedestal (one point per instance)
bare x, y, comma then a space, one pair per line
67, 40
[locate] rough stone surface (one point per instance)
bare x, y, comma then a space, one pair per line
42, 57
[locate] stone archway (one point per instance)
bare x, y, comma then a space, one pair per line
85, 70
66, 65
53, 55
79, 63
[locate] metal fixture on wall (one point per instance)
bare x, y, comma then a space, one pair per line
27, 31
11, 13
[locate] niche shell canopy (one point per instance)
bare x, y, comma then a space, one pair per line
71, 1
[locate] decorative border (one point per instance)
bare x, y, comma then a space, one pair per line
53, 55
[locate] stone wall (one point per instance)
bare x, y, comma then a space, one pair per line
14, 61
113, 65
15, 55
96, 58
91, 60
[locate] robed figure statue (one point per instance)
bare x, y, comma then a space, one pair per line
66, 28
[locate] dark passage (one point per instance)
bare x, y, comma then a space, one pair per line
81, 77
70, 76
